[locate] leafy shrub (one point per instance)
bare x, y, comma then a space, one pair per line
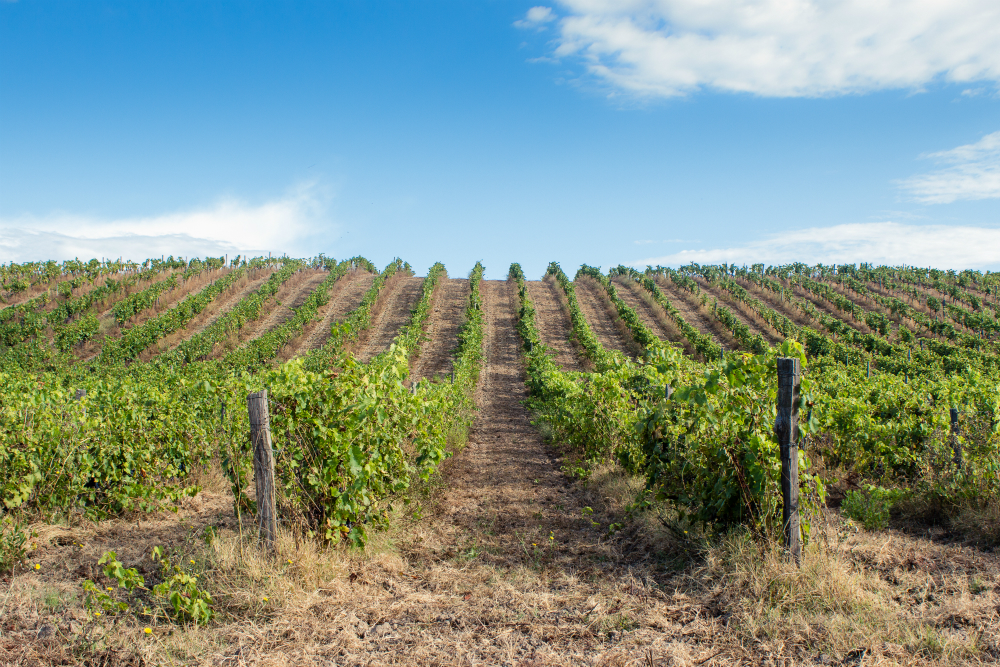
871, 506
13, 543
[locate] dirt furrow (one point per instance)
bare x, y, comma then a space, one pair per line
445, 321
785, 308
652, 315
277, 310
742, 312
507, 570
344, 297
554, 326
206, 318
683, 301
393, 313
830, 309
595, 308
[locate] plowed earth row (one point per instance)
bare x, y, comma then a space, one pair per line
554, 326
508, 562
345, 296
684, 302
651, 314
391, 313
742, 313
446, 319
594, 305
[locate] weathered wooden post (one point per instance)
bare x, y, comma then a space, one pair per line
668, 392
955, 444
263, 466
869, 369
786, 429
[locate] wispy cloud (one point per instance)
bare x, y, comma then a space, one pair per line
879, 242
229, 226
536, 18
779, 48
974, 173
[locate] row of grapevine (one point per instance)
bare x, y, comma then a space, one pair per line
702, 343
708, 450
351, 440
246, 310
255, 353
136, 339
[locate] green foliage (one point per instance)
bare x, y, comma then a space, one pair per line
13, 543
871, 506
178, 595
187, 603
348, 440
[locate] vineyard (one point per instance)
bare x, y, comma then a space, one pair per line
470, 471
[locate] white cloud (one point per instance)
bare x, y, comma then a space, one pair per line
229, 226
974, 174
536, 17
781, 48
889, 243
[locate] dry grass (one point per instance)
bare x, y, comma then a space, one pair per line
499, 561
426, 593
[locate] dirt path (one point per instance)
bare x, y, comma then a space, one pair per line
786, 308
206, 318
742, 313
278, 309
393, 314
658, 322
345, 296
707, 326
507, 571
830, 309
554, 326
594, 306
446, 319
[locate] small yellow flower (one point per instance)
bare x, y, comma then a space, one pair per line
192, 562
265, 599
38, 566
97, 613
109, 588
148, 631
289, 561
533, 544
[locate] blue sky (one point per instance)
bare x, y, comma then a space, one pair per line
584, 131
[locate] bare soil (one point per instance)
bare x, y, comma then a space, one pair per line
501, 562
651, 314
553, 322
831, 309
742, 312
695, 314
444, 323
221, 305
277, 310
599, 312
392, 312
345, 296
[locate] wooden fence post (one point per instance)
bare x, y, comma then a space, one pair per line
786, 428
263, 466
